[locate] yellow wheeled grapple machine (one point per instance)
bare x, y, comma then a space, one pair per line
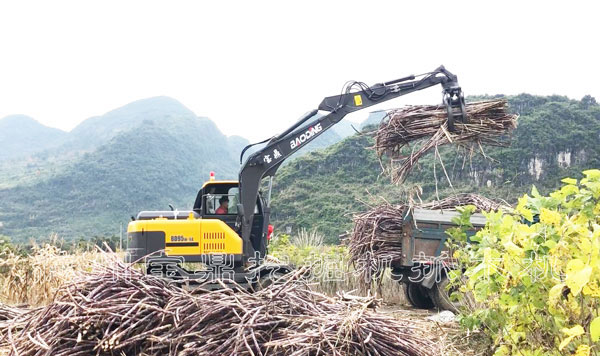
228, 228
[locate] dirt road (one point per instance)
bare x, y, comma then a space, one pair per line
451, 339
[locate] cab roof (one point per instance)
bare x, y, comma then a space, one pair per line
215, 182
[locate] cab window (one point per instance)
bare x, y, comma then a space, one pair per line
224, 203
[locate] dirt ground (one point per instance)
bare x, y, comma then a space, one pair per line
448, 336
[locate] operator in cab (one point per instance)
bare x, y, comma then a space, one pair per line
223, 205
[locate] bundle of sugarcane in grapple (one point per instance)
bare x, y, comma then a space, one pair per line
116, 310
488, 122
410, 239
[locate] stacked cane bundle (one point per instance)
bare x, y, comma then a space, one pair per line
375, 240
481, 203
117, 310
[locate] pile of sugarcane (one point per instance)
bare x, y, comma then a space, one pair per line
8, 312
481, 203
376, 238
487, 123
119, 311
375, 241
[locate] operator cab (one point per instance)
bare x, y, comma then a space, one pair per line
208, 201
209, 196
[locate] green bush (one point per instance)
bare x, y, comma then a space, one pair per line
534, 274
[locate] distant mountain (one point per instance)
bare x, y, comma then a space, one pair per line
21, 136
98, 130
373, 120
147, 167
144, 155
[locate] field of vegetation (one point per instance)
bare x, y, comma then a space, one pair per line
528, 283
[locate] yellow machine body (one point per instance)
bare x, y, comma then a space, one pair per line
192, 236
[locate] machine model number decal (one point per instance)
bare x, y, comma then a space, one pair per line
305, 136
181, 238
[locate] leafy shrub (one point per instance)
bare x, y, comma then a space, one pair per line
535, 274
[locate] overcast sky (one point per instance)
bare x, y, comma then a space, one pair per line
254, 67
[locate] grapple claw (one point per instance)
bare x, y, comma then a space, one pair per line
455, 104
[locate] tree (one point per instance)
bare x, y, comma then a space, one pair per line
588, 101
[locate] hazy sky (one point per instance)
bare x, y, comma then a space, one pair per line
254, 67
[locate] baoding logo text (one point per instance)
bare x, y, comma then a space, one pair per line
305, 136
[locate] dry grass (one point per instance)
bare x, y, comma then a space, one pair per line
34, 279
347, 278
331, 269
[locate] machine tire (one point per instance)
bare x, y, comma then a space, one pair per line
160, 270
269, 279
441, 296
417, 296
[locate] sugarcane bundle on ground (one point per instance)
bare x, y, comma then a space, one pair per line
119, 311
487, 123
8, 312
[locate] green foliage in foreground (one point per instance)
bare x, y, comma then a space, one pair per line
535, 275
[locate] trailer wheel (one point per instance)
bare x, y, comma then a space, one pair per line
417, 296
440, 294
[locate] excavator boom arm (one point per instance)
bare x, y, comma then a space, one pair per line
266, 161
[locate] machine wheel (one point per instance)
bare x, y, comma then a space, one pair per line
440, 294
163, 268
417, 296
269, 279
